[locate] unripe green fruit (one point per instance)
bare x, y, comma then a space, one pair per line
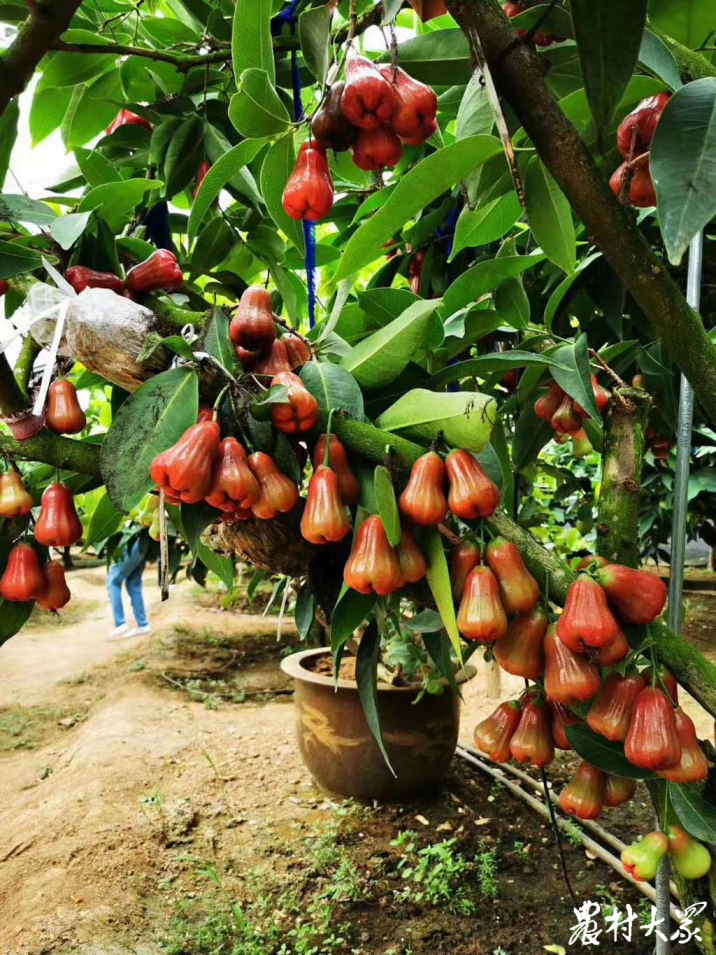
691, 859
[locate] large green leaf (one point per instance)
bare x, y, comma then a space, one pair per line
314, 33
609, 35
255, 109
555, 299
66, 230
184, 153
497, 361
223, 170
217, 564
217, 342
386, 304
8, 135
16, 260
656, 57
416, 189
531, 435
95, 168
195, 519
17, 208
438, 577
576, 378
484, 277
683, 165
387, 504
96, 109
367, 680
475, 116
333, 387
13, 617
276, 168
381, 357
689, 22
149, 421
215, 242
47, 112
349, 613
70, 69
603, 753
486, 223
550, 216
465, 418
115, 199
251, 42
105, 521
441, 58
696, 815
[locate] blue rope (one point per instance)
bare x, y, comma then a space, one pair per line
288, 15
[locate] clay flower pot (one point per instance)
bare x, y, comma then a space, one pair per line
339, 749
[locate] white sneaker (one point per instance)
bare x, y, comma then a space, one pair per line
119, 632
140, 631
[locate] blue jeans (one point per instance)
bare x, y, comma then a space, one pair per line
128, 571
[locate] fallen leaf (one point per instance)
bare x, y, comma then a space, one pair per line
555, 949
422, 820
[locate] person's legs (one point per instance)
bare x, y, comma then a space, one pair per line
135, 590
115, 577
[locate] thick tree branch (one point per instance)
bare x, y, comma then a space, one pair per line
47, 21
25, 362
60, 452
519, 76
12, 397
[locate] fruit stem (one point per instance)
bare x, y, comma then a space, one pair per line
326, 453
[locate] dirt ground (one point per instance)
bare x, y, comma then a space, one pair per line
153, 802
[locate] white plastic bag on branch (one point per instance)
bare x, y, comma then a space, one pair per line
104, 331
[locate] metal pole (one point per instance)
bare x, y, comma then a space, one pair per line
678, 535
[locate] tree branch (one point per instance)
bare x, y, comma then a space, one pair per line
12, 397
47, 21
53, 449
25, 362
518, 75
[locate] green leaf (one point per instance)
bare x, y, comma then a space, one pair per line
95, 168
367, 681
150, 421
550, 216
221, 566
609, 35
70, 69
66, 230
251, 42
276, 168
387, 504
438, 646
656, 57
438, 577
688, 21
16, 260
255, 109
441, 58
8, 135
475, 116
531, 435
222, 172
683, 165
195, 519
555, 299
215, 242
512, 304
603, 753
465, 417
333, 387
484, 277
105, 521
47, 112
576, 380
217, 342
486, 223
496, 362
13, 617
305, 611
696, 815
386, 304
115, 199
349, 613
381, 357
16, 208
416, 189
314, 33
185, 152
95, 110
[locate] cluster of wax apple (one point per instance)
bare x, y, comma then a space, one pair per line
513, 9
689, 858
632, 182
374, 112
160, 272
634, 708
566, 415
58, 525
263, 354
125, 117
376, 567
